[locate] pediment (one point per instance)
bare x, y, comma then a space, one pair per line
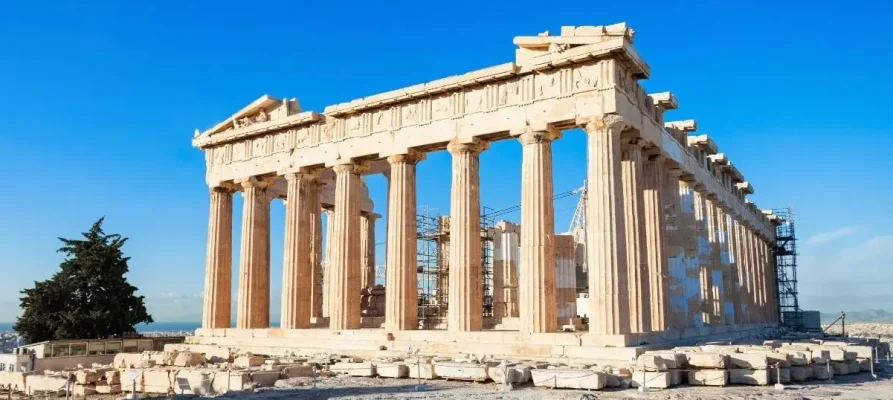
261, 111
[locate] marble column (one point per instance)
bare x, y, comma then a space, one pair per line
605, 229
344, 306
714, 267
254, 259
297, 272
327, 261
538, 307
736, 270
401, 308
753, 284
690, 266
656, 238
704, 254
746, 273
636, 252
218, 270
676, 272
316, 274
367, 249
443, 260
466, 292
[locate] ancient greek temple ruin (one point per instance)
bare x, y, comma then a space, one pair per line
672, 249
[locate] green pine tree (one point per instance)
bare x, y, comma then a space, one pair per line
89, 298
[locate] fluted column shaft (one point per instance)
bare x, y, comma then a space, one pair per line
466, 291
344, 306
676, 276
218, 269
736, 267
656, 240
316, 274
750, 297
297, 271
327, 263
605, 230
636, 253
714, 266
538, 305
367, 249
704, 254
254, 261
401, 309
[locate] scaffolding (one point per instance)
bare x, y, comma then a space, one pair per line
789, 311
487, 222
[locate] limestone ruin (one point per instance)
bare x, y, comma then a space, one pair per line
675, 251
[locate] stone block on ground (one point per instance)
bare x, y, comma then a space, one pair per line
861, 351
113, 377
297, 371
749, 377
515, 374
108, 389
748, 361
160, 357
158, 380
14, 380
708, 377
797, 357
834, 353
45, 384
248, 361
264, 378
655, 362
392, 370
854, 367
230, 381
421, 370
778, 359
569, 378
676, 377
128, 360
461, 371
840, 368
83, 390
821, 356
783, 373
193, 382
800, 374
87, 376
707, 360
132, 379
189, 359
353, 368
864, 365
652, 380
822, 371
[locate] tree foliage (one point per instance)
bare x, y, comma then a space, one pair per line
88, 298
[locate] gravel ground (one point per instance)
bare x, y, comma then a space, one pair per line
861, 387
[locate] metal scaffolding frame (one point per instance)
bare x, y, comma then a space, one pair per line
789, 311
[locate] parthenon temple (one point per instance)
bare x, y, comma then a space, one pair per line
671, 250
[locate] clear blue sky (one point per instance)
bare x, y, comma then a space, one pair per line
99, 103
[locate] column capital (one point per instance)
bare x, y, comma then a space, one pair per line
530, 136
410, 157
259, 182
357, 167
303, 175
223, 188
611, 123
633, 142
474, 146
370, 215
653, 154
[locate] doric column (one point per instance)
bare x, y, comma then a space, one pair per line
714, 266
656, 238
690, 265
752, 289
605, 233
538, 307
636, 253
764, 271
219, 268
344, 306
254, 260
758, 273
466, 293
772, 281
316, 275
735, 268
443, 260
505, 270
727, 263
297, 271
704, 254
401, 308
367, 249
676, 278
327, 261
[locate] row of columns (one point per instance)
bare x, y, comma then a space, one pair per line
632, 194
